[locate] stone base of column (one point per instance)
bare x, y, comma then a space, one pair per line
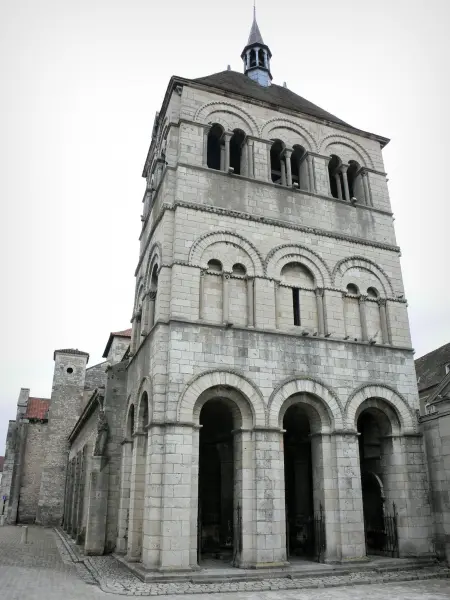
97, 508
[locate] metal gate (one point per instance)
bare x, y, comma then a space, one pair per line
382, 535
306, 536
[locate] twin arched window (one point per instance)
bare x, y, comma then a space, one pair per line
288, 166
225, 151
348, 181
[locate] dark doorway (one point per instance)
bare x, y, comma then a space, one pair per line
300, 523
380, 521
216, 482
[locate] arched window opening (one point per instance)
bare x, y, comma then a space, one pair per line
253, 58
130, 424
144, 410
352, 289
375, 456
297, 172
236, 143
261, 57
336, 177
299, 487
215, 266
216, 481
354, 180
277, 164
372, 293
215, 143
239, 269
302, 284
154, 279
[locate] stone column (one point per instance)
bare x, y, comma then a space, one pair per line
277, 302
338, 185
311, 178
201, 299
177, 474
75, 497
67, 516
367, 194
244, 499
244, 158
151, 309
98, 507
325, 492
124, 501
269, 164
406, 484
137, 490
205, 146
270, 514
349, 524
251, 301
152, 525
363, 317
283, 171
287, 158
320, 311
227, 137
251, 158
383, 320
225, 297
80, 502
344, 177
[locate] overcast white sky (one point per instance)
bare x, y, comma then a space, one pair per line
81, 81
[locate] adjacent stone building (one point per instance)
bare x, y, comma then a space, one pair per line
264, 406
433, 380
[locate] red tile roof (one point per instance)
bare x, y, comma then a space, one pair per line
124, 333
37, 408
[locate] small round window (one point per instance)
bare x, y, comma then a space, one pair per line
69, 370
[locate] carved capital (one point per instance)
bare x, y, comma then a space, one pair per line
319, 291
152, 295
362, 298
381, 301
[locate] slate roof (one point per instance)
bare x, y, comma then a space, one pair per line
37, 408
279, 96
430, 369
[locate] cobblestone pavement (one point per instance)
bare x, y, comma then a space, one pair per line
50, 568
38, 570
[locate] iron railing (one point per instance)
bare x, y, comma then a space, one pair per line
382, 535
306, 536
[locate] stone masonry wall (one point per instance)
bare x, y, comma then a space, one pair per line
31, 471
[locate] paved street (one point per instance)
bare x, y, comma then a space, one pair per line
43, 570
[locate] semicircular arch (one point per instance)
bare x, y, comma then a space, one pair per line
361, 262
281, 255
304, 136
307, 390
383, 396
145, 387
216, 379
229, 237
343, 140
228, 115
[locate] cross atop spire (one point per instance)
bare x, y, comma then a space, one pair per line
256, 55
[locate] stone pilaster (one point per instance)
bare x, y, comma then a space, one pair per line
98, 507
137, 491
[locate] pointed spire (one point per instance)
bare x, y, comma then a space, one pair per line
255, 36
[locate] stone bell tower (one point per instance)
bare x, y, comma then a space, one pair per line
65, 408
271, 381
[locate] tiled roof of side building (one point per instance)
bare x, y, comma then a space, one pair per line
37, 408
430, 369
124, 333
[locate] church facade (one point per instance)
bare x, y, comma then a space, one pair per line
266, 405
